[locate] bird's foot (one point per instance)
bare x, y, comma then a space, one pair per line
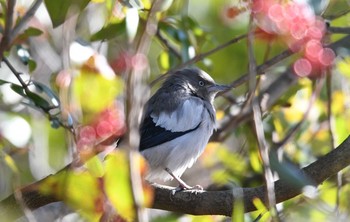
183, 186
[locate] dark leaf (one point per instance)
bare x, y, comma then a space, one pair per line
110, 31
55, 123
18, 89
35, 98
61, 10
23, 54
132, 3
43, 88
38, 100
2, 82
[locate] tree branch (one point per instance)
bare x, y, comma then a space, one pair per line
209, 202
221, 202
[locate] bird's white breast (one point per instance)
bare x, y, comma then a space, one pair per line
180, 153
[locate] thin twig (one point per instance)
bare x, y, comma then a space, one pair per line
199, 57
27, 91
25, 19
259, 129
10, 35
167, 44
135, 102
339, 30
8, 26
330, 122
262, 68
16, 73
294, 129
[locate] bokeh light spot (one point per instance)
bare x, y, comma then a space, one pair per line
326, 56
302, 67
276, 13
88, 132
104, 129
312, 49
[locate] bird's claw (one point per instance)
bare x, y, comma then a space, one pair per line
193, 189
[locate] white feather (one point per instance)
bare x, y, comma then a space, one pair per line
183, 119
180, 153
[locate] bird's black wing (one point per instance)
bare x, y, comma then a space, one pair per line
152, 135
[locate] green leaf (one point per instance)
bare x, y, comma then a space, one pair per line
79, 190
18, 89
110, 31
2, 82
61, 10
117, 184
31, 31
31, 65
35, 98
38, 100
43, 88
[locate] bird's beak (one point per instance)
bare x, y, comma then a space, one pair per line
218, 88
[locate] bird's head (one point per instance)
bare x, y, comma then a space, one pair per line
197, 83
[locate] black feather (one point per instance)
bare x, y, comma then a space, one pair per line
152, 135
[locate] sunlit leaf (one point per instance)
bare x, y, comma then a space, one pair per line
95, 166
57, 144
31, 65
61, 10
238, 205
100, 91
10, 163
263, 212
220, 114
255, 161
338, 102
163, 60
118, 186
72, 187
110, 31
344, 66
342, 128
31, 31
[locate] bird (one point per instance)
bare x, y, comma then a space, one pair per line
177, 123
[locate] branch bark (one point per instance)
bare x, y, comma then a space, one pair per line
209, 202
221, 202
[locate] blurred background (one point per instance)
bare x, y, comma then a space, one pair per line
91, 65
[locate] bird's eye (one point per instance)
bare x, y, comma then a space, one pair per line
201, 83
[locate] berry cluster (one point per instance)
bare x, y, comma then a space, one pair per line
300, 28
109, 122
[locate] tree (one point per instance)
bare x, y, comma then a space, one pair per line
76, 74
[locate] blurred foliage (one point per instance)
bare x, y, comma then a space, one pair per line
73, 100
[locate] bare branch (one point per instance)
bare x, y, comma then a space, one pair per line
220, 202
339, 30
208, 202
10, 35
